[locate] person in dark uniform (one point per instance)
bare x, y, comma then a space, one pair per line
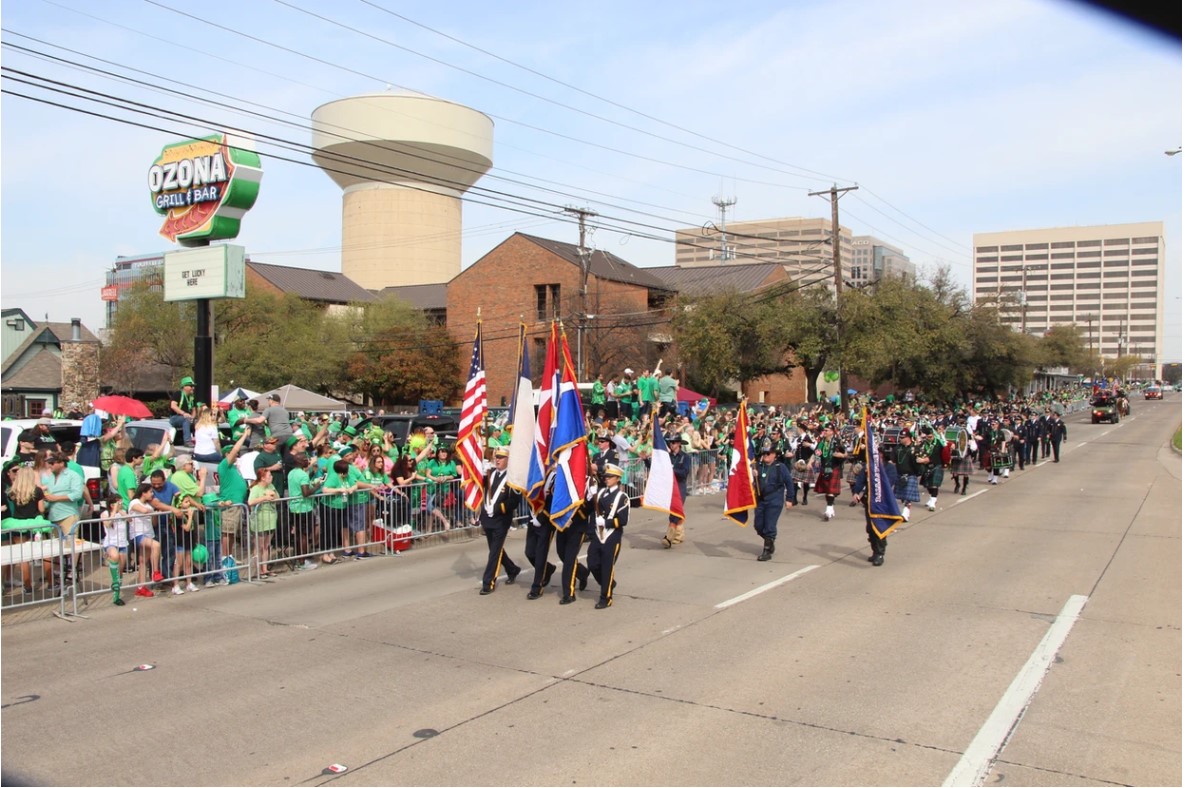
681, 467
540, 533
877, 543
1057, 434
498, 505
568, 542
610, 514
606, 455
774, 489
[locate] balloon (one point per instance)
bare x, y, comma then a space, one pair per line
830, 376
200, 554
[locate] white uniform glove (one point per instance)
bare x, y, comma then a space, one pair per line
600, 521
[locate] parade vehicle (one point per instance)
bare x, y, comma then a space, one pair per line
1153, 392
1104, 408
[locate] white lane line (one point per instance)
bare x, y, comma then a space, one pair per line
766, 587
972, 768
968, 498
1080, 445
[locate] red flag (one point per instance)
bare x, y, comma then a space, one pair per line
473, 413
741, 497
549, 393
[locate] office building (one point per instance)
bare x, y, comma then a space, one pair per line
874, 260
801, 245
1106, 279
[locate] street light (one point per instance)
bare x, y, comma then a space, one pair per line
1172, 152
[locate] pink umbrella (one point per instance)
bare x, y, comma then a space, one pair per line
119, 405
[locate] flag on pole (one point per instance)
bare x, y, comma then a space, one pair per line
469, 439
740, 497
549, 388
880, 501
569, 446
524, 458
662, 493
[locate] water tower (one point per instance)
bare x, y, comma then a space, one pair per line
403, 160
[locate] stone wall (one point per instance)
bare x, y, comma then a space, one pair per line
80, 374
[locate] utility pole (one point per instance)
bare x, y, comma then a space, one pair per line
834, 195
724, 203
582, 215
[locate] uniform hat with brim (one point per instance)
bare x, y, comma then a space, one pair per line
767, 447
501, 451
613, 470
675, 439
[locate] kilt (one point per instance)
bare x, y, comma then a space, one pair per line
851, 470
829, 484
935, 477
962, 466
808, 476
907, 489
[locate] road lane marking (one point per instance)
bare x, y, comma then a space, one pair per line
968, 498
766, 587
972, 768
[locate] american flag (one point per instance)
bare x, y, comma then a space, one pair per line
473, 413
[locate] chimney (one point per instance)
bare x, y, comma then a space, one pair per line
76, 328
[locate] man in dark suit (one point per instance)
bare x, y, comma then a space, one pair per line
498, 506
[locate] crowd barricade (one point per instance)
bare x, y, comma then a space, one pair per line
405, 513
223, 534
706, 473
32, 560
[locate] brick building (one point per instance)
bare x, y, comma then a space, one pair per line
535, 280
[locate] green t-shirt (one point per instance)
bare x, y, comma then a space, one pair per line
153, 464
439, 469
625, 391
235, 419
187, 486
126, 481
336, 500
298, 502
231, 484
647, 388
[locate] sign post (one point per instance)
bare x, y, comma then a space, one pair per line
203, 187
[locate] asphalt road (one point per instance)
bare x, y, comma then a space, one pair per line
844, 674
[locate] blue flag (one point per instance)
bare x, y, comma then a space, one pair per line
880, 502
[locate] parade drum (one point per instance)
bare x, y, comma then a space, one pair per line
1000, 459
952, 434
892, 436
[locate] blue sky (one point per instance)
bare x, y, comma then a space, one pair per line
954, 118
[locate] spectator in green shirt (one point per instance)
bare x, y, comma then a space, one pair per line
647, 393
232, 492
128, 478
440, 472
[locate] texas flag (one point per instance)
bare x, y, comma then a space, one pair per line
662, 493
740, 497
524, 454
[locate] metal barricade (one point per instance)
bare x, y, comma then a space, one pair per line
222, 533
32, 560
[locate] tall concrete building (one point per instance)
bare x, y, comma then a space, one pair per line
874, 260
1107, 279
403, 161
801, 245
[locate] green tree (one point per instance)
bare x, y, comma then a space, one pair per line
147, 330
725, 338
400, 357
1062, 347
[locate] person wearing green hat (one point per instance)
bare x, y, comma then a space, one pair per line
182, 409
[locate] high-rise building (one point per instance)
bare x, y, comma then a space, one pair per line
874, 260
1107, 279
801, 245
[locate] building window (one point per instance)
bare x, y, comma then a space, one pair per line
1087, 243
1012, 248
1062, 245
1144, 253
1116, 242
1011, 257
1036, 246
987, 259
1150, 240
547, 302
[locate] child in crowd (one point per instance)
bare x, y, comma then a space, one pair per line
115, 542
141, 535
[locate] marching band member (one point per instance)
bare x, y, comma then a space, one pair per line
930, 458
908, 471
962, 463
803, 473
829, 456
610, 514
540, 533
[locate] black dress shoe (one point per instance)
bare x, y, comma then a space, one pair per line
602, 604
534, 594
878, 559
512, 575
567, 600
872, 558
485, 591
